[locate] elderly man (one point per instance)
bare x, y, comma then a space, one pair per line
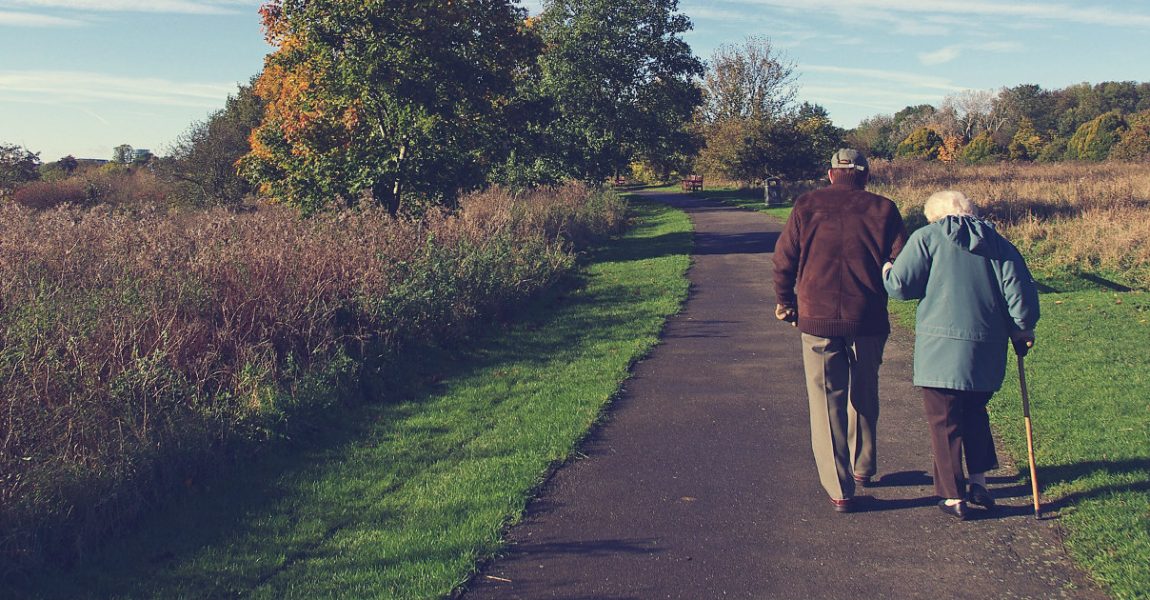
828, 282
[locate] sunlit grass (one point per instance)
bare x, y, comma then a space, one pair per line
1088, 383
402, 500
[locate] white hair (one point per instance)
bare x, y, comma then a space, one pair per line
947, 203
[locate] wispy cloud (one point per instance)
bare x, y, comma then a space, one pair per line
195, 7
22, 19
1094, 15
940, 56
902, 78
70, 87
950, 53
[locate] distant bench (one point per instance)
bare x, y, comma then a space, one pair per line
693, 183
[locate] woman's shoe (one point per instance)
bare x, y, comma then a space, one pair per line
980, 496
954, 510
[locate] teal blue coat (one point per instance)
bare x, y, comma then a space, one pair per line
975, 290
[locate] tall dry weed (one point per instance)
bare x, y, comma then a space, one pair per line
1064, 216
135, 347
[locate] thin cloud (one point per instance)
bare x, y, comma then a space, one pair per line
1096, 15
912, 80
940, 56
950, 53
70, 87
21, 19
191, 7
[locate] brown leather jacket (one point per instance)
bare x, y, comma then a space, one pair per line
828, 260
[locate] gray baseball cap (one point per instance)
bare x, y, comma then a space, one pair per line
848, 158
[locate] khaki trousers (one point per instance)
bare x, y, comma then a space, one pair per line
842, 389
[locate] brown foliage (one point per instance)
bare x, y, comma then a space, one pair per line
133, 348
1064, 216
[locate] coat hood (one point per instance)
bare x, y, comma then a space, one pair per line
971, 233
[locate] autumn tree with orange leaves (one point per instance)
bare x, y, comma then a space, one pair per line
384, 99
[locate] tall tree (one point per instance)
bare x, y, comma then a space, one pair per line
123, 154
383, 98
621, 80
748, 81
750, 122
203, 161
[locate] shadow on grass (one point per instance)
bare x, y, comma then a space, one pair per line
1079, 282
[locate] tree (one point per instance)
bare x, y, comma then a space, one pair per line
923, 143
17, 165
981, 149
123, 154
204, 159
68, 164
620, 79
1026, 143
1134, 144
750, 81
1093, 140
873, 137
751, 126
390, 99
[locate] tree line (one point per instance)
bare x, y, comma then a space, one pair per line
1021, 123
412, 103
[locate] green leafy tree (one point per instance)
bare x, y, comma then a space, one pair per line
1053, 151
981, 149
923, 143
751, 126
17, 165
387, 99
873, 137
1094, 139
621, 80
203, 162
123, 154
1026, 143
1135, 141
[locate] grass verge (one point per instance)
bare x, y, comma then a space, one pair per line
402, 500
1088, 381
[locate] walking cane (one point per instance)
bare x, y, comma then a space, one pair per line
1020, 348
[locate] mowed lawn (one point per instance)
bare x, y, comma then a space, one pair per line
402, 500
1089, 385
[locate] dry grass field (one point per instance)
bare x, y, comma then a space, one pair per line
1067, 218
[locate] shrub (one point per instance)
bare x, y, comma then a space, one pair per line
1094, 139
922, 143
136, 350
49, 194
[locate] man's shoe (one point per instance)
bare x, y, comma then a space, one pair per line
954, 510
980, 496
843, 505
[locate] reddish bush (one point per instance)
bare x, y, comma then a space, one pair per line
131, 346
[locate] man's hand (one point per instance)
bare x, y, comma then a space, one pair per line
787, 313
1023, 341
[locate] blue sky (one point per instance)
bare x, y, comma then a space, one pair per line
82, 76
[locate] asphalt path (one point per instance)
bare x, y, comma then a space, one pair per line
700, 483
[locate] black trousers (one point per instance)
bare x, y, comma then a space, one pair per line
958, 425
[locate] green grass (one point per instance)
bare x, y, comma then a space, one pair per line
403, 500
748, 198
1090, 408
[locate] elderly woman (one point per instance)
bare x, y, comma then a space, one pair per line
976, 293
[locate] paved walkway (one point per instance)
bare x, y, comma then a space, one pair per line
701, 483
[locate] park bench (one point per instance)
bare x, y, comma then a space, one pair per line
693, 183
